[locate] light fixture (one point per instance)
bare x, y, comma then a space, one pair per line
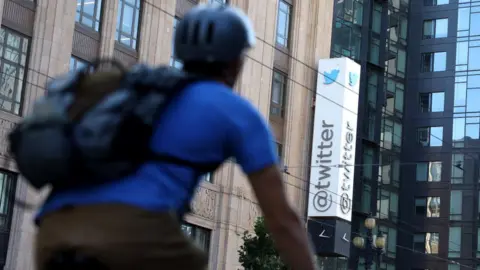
359, 242
370, 223
380, 241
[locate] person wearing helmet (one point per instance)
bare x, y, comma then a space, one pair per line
133, 223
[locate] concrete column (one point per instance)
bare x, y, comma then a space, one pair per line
49, 55
156, 28
109, 25
2, 4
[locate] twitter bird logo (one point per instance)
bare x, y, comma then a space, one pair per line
331, 77
353, 78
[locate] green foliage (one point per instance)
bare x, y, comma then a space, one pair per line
258, 251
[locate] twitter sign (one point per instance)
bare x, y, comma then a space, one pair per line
334, 139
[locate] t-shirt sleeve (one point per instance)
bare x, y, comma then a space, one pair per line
252, 143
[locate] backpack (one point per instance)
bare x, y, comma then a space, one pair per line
95, 125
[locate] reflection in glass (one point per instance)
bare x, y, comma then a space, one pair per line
433, 209
462, 53
457, 168
127, 22
436, 136
456, 205
440, 61
435, 171
431, 243
283, 23
463, 19
199, 235
429, 171
441, 28
474, 24
88, 13
474, 57
454, 241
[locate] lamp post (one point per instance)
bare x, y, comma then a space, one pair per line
372, 249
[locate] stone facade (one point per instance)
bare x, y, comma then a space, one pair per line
226, 206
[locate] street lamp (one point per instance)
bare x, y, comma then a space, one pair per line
371, 249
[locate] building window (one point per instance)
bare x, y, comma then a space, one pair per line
374, 53
387, 205
432, 102
128, 20
430, 136
390, 235
434, 61
429, 171
456, 205
453, 267
14, 50
208, 177
199, 235
89, 13
426, 242
7, 195
279, 89
457, 168
377, 17
435, 2
454, 242
478, 244
174, 62
366, 198
427, 206
222, 2
283, 23
77, 63
279, 151
437, 28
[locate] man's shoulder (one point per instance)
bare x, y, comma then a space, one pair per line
222, 99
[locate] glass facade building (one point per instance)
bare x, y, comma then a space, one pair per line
423, 81
374, 34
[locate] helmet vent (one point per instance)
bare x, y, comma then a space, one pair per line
196, 33
210, 31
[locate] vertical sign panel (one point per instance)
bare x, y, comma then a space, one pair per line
334, 139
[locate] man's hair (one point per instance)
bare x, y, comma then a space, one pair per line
205, 69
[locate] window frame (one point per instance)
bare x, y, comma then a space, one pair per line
97, 17
459, 215
425, 200
281, 107
424, 136
434, 29
18, 66
430, 97
433, 3
286, 39
455, 244
431, 65
195, 229
424, 236
429, 166
76, 61
174, 62
138, 21
223, 2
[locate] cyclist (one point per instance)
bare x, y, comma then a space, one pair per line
132, 223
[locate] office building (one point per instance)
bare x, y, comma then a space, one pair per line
418, 149
44, 38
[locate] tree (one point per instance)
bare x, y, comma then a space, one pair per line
258, 251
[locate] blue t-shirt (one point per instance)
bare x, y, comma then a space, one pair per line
207, 122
